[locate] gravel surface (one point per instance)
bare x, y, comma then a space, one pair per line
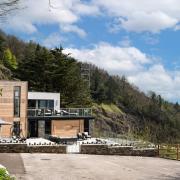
89, 167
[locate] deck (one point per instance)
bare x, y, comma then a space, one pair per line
63, 113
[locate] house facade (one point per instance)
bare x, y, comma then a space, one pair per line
38, 114
13, 107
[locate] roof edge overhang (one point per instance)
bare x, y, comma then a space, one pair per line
61, 118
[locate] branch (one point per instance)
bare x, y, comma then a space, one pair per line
52, 6
8, 6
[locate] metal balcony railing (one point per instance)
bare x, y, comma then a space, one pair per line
64, 112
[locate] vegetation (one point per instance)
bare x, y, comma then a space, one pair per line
119, 107
4, 175
169, 151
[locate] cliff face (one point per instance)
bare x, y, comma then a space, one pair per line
5, 73
111, 121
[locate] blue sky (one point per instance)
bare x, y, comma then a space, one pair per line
136, 38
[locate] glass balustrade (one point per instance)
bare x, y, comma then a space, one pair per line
64, 112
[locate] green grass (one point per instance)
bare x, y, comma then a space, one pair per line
112, 108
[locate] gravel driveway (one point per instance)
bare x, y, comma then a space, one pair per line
89, 167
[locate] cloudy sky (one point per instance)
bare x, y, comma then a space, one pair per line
136, 38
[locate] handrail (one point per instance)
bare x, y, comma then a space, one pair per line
63, 112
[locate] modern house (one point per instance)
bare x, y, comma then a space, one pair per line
13, 107
38, 114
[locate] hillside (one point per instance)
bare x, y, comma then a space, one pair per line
119, 107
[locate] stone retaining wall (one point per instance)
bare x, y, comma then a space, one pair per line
98, 149
23, 148
13, 148
145, 152
61, 149
94, 149
120, 150
117, 150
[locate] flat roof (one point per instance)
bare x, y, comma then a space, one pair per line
43, 95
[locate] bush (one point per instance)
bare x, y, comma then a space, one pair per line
4, 175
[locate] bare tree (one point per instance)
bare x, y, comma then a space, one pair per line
7, 6
52, 6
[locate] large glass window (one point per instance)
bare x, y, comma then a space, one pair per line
17, 99
32, 104
40, 104
46, 104
50, 104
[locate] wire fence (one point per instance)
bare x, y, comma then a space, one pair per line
124, 140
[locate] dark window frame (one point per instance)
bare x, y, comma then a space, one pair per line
17, 109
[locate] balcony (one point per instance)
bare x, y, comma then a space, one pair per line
64, 112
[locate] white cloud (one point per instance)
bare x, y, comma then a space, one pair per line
74, 29
125, 42
63, 13
141, 15
53, 40
140, 69
84, 9
132, 15
115, 59
158, 79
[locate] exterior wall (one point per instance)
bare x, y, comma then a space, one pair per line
101, 149
24, 148
67, 128
7, 106
46, 96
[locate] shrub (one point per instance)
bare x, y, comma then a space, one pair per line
4, 175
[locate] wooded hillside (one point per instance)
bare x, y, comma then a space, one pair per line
119, 107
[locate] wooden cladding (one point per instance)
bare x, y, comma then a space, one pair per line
67, 128
7, 105
10, 100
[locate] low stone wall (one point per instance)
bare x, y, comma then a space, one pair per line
23, 148
13, 148
145, 152
120, 150
59, 149
98, 149
117, 150
94, 149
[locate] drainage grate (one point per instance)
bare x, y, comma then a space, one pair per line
46, 159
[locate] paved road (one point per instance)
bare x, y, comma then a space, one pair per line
89, 167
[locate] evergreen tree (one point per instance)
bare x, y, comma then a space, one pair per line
9, 60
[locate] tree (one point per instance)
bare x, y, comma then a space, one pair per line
176, 106
1, 92
9, 59
7, 6
66, 78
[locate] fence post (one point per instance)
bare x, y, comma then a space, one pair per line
158, 150
177, 151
